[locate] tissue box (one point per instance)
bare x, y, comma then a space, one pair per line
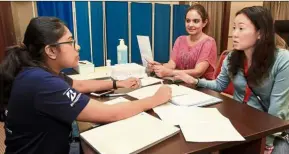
124, 71
84, 67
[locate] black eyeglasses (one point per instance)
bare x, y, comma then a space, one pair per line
68, 42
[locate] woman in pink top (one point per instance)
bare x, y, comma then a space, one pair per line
196, 53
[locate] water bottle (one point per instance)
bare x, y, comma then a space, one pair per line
122, 55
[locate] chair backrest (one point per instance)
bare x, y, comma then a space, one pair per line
230, 89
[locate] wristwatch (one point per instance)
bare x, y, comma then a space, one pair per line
114, 84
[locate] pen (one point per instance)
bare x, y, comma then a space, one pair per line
179, 95
114, 95
82, 62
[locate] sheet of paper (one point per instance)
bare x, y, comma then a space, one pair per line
130, 135
181, 95
193, 97
145, 49
149, 81
171, 114
116, 101
203, 114
195, 100
151, 90
177, 115
210, 131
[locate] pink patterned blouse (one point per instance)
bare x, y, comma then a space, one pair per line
187, 57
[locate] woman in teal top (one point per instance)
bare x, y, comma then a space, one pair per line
255, 59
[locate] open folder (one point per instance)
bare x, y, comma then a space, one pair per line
131, 135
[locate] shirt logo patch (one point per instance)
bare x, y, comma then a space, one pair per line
72, 95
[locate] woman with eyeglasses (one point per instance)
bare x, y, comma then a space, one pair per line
258, 69
40, 105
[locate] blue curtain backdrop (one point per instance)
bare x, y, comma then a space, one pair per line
116, 27
97, 33
62, 10
162, 33
83, 35
141, 24
179, 21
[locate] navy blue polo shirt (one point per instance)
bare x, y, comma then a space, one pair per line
41, 109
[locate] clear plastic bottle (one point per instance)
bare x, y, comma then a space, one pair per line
122, 55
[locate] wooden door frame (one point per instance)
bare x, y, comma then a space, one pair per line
225, 26
7, 32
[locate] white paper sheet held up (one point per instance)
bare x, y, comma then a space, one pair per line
145, 49
131, 135
210, 131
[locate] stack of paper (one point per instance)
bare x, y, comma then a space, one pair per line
131, 135
181, 95
125, 71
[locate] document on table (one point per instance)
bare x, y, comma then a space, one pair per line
193, 97
199, 124
131, 135
210, 131
181, 95
177, 115
149, 81
151, 90
170, 113
145, 49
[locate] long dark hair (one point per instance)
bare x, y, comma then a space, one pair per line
263, 55
40, 32
202, 12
